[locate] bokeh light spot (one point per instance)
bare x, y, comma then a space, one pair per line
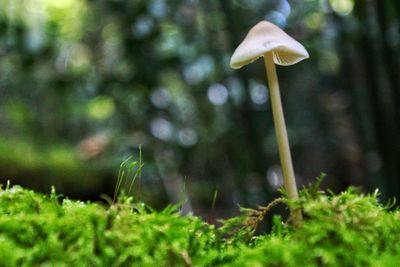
217, 94
284, 8
315, 21
236, 90
276, 18
162, 129
342, 7
143, 26
160, 98
158, 8
79, 59
258, 93
101, 107
199, 70
275, 177
187, 137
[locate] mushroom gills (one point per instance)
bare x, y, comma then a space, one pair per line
285, 57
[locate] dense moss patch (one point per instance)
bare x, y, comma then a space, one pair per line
340, 230
348, 229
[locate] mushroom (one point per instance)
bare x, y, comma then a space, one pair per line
269, 41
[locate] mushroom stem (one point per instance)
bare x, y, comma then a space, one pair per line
281, 136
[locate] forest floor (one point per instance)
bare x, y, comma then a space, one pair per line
346, 229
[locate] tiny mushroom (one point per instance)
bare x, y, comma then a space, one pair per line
269, 41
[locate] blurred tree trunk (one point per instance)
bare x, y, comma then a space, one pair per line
390, 55
383, 120
396, 4
351, 149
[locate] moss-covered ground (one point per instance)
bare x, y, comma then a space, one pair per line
348, 229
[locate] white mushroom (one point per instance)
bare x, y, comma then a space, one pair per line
269, 41
264, 38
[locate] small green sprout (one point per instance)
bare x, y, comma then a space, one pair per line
128, 172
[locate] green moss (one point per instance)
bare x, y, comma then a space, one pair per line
348, 229
38, 230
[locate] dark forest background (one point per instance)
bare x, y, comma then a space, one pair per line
84, 83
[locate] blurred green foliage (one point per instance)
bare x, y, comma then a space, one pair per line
84, 83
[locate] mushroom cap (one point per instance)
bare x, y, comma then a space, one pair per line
266, 37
